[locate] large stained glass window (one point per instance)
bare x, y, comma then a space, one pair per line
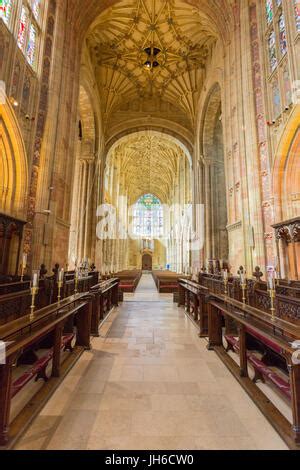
282, 34
23, 27
5, 10
269, 10
36, 7
148, 217
29, 29
31, 46
272, 51
297, 14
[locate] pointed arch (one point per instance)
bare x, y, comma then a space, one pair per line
286, 170
13, 164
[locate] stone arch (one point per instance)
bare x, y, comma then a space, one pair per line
13, 164
214, 183
286, 171
211, 114
286, 191
140, 131
81, 244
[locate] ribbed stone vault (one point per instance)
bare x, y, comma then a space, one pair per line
117, 39
150, 163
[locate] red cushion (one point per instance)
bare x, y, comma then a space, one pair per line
28, 375
168, 286
281, 384
264, 340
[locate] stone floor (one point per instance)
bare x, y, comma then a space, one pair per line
150, 383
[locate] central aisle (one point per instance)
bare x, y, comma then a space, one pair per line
150, 383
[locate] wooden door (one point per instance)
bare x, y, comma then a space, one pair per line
147, 262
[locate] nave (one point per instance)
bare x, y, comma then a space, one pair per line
149, 383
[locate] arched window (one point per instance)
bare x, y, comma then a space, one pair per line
278, 59
25, 17
29, 29
148, 217
297, 14
5, 11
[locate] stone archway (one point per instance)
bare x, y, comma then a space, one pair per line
286, 190
286, 171
13, 165
214, 187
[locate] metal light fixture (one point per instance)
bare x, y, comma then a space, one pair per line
152, 54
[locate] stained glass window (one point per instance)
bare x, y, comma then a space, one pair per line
269, 9
31, 46
297, 14
272, 51
29, 29
148, 217
36, 7
5, 10
23, 26
282, 35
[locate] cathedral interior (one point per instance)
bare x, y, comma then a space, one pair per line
150, 224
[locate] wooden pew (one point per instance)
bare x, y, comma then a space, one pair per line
248, 330
249, 324
58, 323
105, 298
15, 304
192, 297
12, 287
129, 280
166, 281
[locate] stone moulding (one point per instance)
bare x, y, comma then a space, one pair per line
235, 226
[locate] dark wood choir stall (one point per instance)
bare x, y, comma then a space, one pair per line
43, 345
257, 345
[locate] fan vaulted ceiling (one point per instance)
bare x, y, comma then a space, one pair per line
179, 39
150, 162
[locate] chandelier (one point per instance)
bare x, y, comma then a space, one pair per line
152, 56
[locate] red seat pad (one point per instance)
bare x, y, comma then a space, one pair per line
264, 340
30, 374
68, 338
168, 286
19, 383
231, 339
281, 384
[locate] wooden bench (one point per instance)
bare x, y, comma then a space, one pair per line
58, 324
105, 297
166, 281
192, 296
38, 370
129, 280
262, 372
251, 333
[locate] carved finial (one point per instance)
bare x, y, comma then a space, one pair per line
241, 270
55, 269
258, 274
43, 271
